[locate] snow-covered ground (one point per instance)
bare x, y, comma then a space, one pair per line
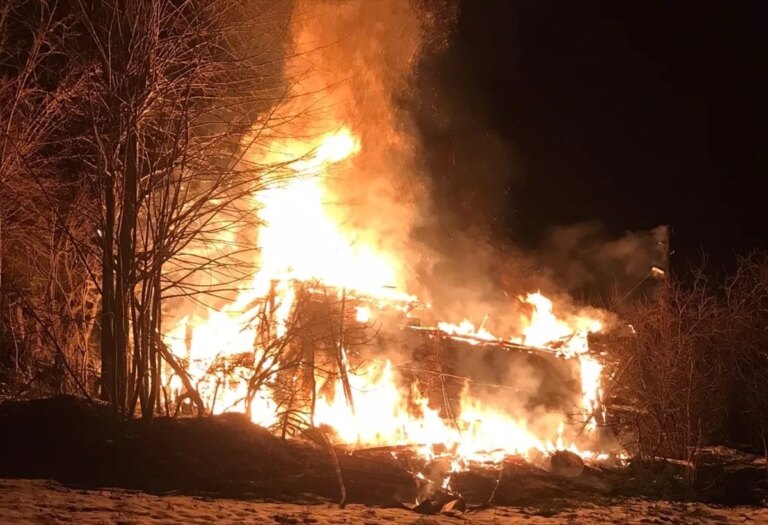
38, 501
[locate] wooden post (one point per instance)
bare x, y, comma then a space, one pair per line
340, 355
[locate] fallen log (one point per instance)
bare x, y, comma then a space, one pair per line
389, 449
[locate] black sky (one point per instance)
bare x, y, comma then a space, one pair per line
635, 114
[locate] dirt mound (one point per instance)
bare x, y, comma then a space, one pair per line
74, 442
71, 441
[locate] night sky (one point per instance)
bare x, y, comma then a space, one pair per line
634, 114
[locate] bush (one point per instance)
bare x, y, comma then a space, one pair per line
695, 370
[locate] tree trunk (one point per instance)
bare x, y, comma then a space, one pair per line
108, 384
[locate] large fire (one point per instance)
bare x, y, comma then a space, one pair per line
303, 241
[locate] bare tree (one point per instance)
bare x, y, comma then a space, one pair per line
179, 91
43, 296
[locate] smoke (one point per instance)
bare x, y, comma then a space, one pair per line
537, 389
585, 259
354, 63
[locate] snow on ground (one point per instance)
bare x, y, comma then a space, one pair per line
46, 502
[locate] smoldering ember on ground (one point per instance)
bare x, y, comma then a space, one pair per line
235, 263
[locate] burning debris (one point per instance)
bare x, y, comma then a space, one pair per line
321, 338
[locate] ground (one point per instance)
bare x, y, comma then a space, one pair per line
38, 501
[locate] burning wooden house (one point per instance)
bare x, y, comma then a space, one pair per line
324, 336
